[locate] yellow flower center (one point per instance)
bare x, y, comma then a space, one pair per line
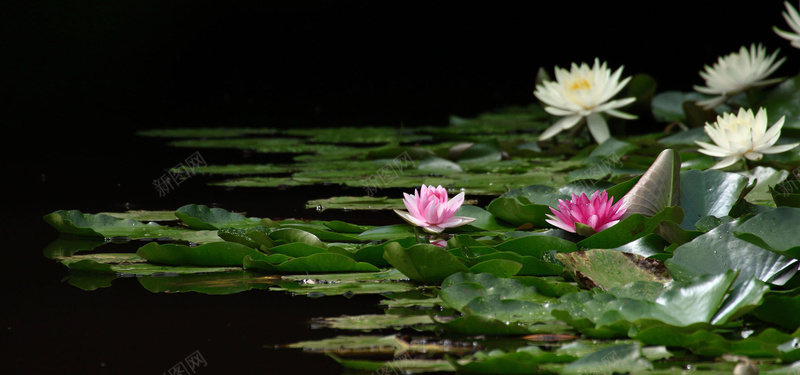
580, 84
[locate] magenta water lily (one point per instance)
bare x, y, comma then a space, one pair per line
598, 212
431, 209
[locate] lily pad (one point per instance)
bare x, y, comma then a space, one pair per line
718, 251
774, 230
203, 217
217, 254
426, 264
710, 192
314, 263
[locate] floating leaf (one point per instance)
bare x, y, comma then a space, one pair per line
763, 178
133, 267
497, 267
461, 288
437, 164
296, 235
314, 263
388, 232
668, 106
710, 192
524, 360
203, 217
631, 228
217, 254
355, 203
786, 194
625, 358
718, 251
426, 264
775, 307
774, 230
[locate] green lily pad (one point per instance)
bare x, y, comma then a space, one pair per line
388, 232
461, 288
336, 284
647, 246
774, 230
537, 246
355, 203
426, 264
291, 235
497, 267
374, 322
710, 192
784, 100
314, 263
203, 217
710, 344
526, 205
524, 360
718, 251
786, 194
77, 223
217, 254
668, 106
127, 266
763, 178
625, 358
481, 152
678, 304
631, 228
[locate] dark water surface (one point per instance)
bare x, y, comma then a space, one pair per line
52, 327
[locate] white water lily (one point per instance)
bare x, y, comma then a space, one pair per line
583, 92
793, 20
737, 72
743, 136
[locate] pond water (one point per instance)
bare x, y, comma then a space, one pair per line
50, 326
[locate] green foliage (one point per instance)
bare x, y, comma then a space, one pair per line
703, 262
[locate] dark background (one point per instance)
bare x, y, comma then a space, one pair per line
81, 77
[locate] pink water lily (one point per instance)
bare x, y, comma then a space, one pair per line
598, 212
430, 209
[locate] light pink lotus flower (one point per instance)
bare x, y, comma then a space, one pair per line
430, 209
598, 212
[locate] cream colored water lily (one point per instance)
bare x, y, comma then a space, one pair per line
583, 92
737, 72
743, 136
793, 20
